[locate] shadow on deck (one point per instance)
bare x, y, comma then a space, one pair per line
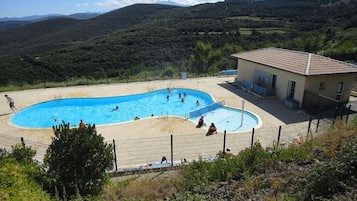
273, 106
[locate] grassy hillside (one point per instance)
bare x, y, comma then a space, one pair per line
323, 168
151, 38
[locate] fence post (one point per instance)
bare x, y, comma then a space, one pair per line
334, 117
279, 132
224, 142
251, 144
172, 150
317, 125
22, 141
308, 128
115, 157
348, 113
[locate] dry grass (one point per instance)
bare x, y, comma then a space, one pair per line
251, 185
339, 133
334, 137
143, 187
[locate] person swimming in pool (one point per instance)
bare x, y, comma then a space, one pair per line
115, 109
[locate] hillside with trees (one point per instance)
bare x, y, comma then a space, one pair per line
148, 41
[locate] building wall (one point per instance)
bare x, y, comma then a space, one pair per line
330, 83
246, 72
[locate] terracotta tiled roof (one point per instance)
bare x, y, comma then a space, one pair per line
302, 63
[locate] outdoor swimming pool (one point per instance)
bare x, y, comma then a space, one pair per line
165, 102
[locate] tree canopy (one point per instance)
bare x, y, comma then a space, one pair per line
20, 178
78, 159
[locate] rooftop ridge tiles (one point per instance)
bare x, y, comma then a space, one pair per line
307, 69
298, 62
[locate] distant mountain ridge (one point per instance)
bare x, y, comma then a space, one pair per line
14, 22
28, 18
127, 41
87, 15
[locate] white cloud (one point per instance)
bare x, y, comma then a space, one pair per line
82, 5
120, 3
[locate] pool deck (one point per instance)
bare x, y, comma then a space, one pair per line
271, 112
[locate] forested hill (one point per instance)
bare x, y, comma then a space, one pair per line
149, 37
68, 29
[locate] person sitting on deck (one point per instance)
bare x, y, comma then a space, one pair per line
163, 159
212, 129
200, 122
81, 124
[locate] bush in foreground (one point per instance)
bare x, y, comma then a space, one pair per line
78, 159
20, 177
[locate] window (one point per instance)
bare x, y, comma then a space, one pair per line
339, 90
273, 82
340, 87
322, 86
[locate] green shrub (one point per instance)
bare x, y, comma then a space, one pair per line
19, 181
333, 177
200, 174
78, 159
253, 156
293, 153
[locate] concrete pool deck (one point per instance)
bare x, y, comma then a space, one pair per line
271, 111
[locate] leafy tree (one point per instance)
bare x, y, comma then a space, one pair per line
169, 72
17, 182
204, 57
23, 154
78, 159
199, 58
20, 177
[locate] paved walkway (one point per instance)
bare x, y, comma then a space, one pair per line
147, 140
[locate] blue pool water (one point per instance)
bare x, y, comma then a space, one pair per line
101, 111
229, 72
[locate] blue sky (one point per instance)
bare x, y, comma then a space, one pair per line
21, 8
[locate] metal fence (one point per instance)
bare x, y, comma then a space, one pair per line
135, 153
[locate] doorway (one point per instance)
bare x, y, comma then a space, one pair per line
291, 89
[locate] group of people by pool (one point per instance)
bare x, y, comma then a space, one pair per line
181, 97
212, 129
